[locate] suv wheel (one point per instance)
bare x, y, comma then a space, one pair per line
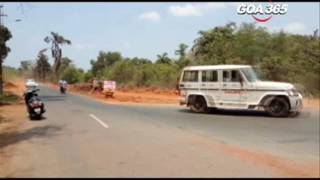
279, 107
199, 105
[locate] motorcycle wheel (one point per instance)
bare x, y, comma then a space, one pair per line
35, 116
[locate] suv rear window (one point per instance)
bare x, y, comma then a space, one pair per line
190, 76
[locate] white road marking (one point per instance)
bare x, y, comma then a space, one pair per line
99, 121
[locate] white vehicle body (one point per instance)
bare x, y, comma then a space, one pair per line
234, 87
31, 84
109, 87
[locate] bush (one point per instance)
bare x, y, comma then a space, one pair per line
72, 75
87, 76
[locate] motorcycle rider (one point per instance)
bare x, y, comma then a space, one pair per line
95, 85
31, 88
63, 85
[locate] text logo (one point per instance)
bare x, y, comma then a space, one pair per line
262, 12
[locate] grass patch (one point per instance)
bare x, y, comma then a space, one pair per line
8, 99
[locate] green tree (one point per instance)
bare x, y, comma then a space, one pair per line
166, 75
43, 67
87, 76
251, 44
65, 63
146, 75
72, 74
140, 61
278, 56
163, 59
5, 35
181, 51
26, 68
214, 46
122, 72
104, 60
26, 65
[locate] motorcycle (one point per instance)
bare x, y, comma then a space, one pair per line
62, 89
34, 104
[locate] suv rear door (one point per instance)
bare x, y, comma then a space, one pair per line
231, 88
210, 84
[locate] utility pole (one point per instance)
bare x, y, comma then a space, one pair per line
1, 6
1, 14
1, 60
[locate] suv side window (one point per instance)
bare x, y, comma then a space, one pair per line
209, 76
190, 76
226, 76
235, 76
231, 76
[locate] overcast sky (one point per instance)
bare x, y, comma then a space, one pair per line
134, 29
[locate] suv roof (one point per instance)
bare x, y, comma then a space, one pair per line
206, 67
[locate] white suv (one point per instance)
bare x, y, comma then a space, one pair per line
236, 87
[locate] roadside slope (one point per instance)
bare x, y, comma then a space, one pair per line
12, 119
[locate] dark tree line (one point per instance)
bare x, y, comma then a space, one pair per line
5, 35
276, 56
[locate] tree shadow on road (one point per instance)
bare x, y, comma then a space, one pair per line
52, 98
10, 138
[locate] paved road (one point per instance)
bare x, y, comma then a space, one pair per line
84, 138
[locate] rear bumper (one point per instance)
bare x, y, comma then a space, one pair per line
296, 103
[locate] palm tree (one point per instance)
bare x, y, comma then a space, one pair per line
163, 58
56, 40
181, 51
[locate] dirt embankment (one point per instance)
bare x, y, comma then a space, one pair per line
312, 103
11, 120
128, 96
15, 86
